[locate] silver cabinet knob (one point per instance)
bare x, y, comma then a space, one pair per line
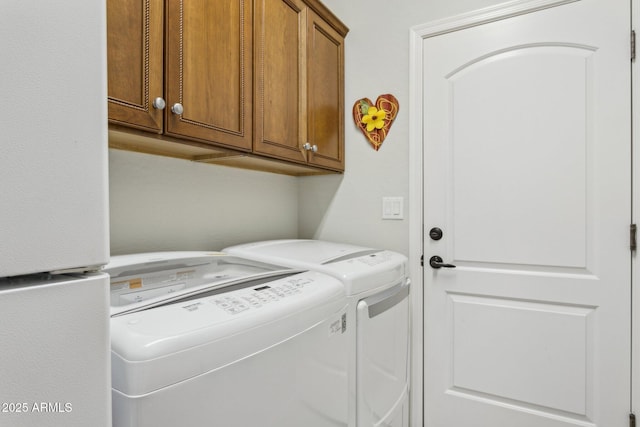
159, 103
177, 108
307, 146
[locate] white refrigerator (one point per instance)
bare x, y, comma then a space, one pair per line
54, 321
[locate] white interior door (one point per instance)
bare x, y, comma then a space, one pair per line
527, 172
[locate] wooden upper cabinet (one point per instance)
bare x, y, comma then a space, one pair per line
217, 78
325, 94
135, 62
209, 70
206, 68
299, 92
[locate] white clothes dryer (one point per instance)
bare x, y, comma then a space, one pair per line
208, 339
377, 287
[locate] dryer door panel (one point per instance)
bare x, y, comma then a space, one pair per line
383, 358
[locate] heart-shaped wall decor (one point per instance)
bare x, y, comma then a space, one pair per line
375, 120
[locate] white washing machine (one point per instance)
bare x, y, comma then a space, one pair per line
377, 286
208, 339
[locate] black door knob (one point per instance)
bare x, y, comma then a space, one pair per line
436, 262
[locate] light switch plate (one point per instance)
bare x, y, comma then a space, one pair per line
393, 208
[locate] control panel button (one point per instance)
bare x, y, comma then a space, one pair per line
256, 298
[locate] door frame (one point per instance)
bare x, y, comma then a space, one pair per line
416, 228
635, 208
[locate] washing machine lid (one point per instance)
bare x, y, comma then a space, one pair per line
361, 269
312, 252
167, 344
145, 280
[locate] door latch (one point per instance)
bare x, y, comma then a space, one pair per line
435, 233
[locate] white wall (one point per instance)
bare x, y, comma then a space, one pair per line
161, 203
349, 207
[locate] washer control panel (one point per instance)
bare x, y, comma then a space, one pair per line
244, 299
376, 258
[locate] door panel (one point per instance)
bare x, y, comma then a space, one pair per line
280, 75
325, 91
540, 218
526, 169
209, 62
134, 60
548, 340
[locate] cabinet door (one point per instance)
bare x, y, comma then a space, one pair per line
280, 118
208, 71
325, 94
135, 63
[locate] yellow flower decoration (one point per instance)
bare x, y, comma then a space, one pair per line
374, 119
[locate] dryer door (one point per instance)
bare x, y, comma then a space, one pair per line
383, 358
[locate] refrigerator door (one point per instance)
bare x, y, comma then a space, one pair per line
53, 117
55, 358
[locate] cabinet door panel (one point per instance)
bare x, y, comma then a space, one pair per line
135, 62
325, 89
209, 48
280, 60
